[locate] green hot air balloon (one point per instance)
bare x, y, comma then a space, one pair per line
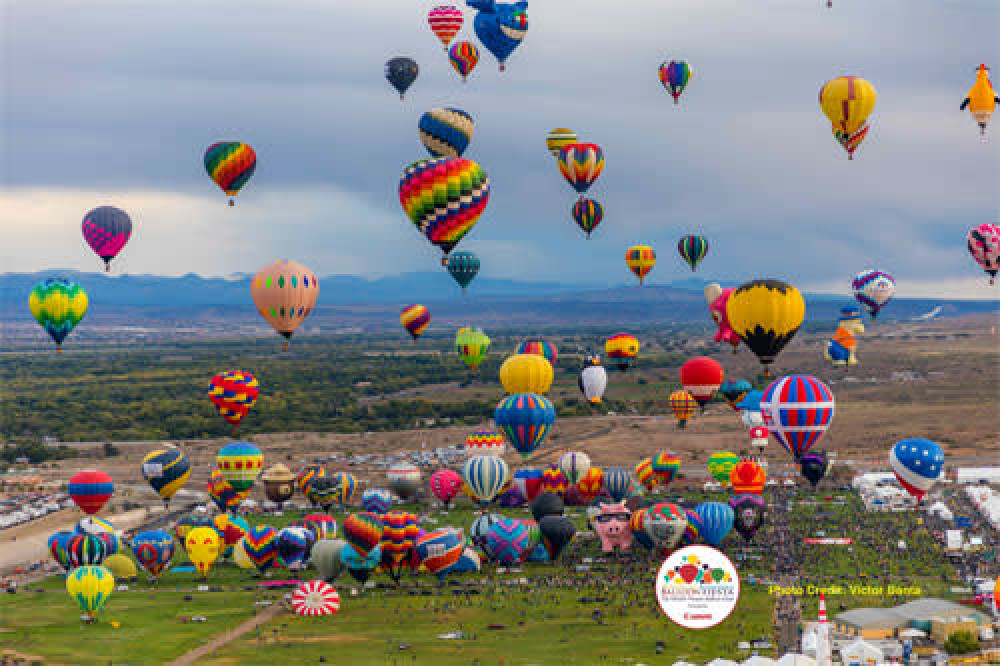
463, 267
472, 344
692, 250
58, 305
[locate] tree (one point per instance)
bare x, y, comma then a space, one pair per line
961, 642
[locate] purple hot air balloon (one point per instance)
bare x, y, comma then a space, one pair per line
106, 229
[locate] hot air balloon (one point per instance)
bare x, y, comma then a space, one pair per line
346, 486
664, 525
306, 476
439, 550
526, 419
692, 531
230, 164
590, 485
445, 484
399, 534
323, 492
747, 477
315, 598
485, 442
86, 549
190, 521
401, 72
444, 198
445, 132
445, 22
153, 549
261, 545
404, 480
797, 410
547, 504
981, 99
574, 466
507, 541
363, 531
279, 483
166, 470
716, 521
734, 391
203, 545
644, 473
758, 436
415, 319
472, 345
588, 213
233, 393
554, 481
285, 293
485, 476
222, 492
917, 464
360, 566
91, 587
106, 230
526, 373
766, 314
717, 299
721, 464
539, 347
376, 500
294, 545
463, 57
701, 377
873, 289
848, 101
683, 405
813, 466
58, 544
581, 164
463, 268
666, 465
617, 482
558, 139
748, 514
90, 489
622, 347
674, 76
500, 26
325, 556
640, 259
557, 532
58, 305
240, 464
593, 380
529, 482
984, 246
692, 250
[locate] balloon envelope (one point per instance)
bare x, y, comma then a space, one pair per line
284, 293
58, 305
106, 230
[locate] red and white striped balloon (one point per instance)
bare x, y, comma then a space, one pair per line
315, 598
445, 21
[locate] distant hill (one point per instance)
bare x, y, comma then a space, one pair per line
351, 300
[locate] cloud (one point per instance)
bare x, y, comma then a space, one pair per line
120, 107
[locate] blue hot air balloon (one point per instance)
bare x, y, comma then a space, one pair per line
525, 419
618, 481
917, 464
500, 26
716, 521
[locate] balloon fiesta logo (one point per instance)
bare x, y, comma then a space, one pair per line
697, 587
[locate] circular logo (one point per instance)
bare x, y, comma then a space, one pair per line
697, 587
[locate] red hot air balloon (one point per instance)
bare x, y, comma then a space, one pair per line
701, 377
90, 489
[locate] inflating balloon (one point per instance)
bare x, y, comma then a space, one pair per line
748, 477
507, 541
666, 465
734, 390
58, 305
376, 500
222, 492
315, 598
203, 545
363, 531
294, 547
485, 477
716, 521
404, 480
554, 481
261, 545
440, 550
230, 164
557, 532
748, 514
90, 587
106, 230
285, 293
85, 549
617, 482
401, 72
574, 466
325, 556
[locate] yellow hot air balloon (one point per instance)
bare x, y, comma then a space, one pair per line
121, 566
766, 314
90, 586
848, 101
203, 545
558, 139
241, 558
981, 100
526, 373
285, 293
640, 259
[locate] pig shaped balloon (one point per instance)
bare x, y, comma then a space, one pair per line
717, 297
611, 522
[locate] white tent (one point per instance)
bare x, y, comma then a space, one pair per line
793, 659
861, 653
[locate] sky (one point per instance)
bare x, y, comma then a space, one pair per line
114, 102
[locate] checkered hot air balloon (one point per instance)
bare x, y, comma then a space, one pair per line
315, 598
917, 464
683, 405
233, 393
797, 410
90, 489
240, 464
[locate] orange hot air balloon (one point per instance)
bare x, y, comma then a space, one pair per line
683, 405
640, 259
285, 293
748, 477
590, 485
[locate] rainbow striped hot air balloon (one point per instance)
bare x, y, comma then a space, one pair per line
539, 347
526, 419
260, 543
233, 393
415, 319
674, 76
665, 465
581, 164
797, 410
58, 305
463, 57
644, 473
363, 531
240, 464
588, 213
230, 164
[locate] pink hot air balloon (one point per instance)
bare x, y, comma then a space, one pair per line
445, 484
717, 298
984, 245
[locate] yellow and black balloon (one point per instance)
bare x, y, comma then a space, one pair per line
766, 314
166, 470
